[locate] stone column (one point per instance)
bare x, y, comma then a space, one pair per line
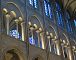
49, 47
7, 23
23, 31
17, 21
42, 40
58, 47
38, 34
32, 29
70, 52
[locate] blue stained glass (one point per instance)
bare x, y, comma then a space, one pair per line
58, 18
31, 2
50, 11
40, 44
59, 15
36, 41
69, 26
31, 40
67, 15
58, 7
46, 8
61, 20
14, 33
35, 3
75, 22
69, 29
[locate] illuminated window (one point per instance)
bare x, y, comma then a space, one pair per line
31, 40
69, 28
31, 2
34, 3
36, 38
59, 15
75, 22
48, 9
14, 33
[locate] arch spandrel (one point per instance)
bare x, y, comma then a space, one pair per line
34, 20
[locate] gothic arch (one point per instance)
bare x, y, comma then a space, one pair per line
35, 19
11, 52
54, 29
15, 17
12, 3
51, 29
18, 12
66, 37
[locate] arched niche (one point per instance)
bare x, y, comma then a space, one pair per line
65, 43
35, 31
12, 6
51, 35
12, 19
64, 38
13, 54
38, 57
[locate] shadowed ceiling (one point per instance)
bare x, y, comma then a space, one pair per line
69, 5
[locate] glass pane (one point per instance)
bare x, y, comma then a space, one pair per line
35, 3
14, 33
31, 2
75, 22
59, 15
50, 11
69, 29
46, 8
31, 40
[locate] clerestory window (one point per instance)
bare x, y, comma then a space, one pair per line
34, 3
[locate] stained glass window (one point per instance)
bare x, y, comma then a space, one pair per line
59, 15
34, 3
75, 22
68, 26
31, 40
69, 29
48, 9
14, 33
31, 2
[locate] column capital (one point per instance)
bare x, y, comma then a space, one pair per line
5, 11
16, 20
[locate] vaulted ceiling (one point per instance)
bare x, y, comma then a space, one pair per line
69, 5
